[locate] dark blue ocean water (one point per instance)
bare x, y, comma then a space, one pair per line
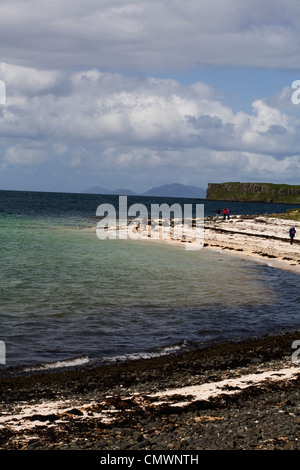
39, 204
68, 298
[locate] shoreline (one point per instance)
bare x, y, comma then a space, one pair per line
262, 238
235, 395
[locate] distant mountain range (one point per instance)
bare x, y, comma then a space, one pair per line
167, 190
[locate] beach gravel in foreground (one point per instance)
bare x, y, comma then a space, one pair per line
112, 407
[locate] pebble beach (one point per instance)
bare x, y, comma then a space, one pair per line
234, 396
240, 395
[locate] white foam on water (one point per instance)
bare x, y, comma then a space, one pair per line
59, 364
163, 351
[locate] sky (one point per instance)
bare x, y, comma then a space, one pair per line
141, 93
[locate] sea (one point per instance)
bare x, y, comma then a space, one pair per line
70, 299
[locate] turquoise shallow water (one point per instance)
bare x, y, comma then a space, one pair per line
65, 294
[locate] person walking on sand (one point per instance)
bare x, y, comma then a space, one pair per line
218, 212
224, 213
292, 234
228, 213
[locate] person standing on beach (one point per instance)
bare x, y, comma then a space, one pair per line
228, 213
292, 234
218, 212
224, 213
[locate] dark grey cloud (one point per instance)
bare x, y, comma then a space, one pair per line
149, 34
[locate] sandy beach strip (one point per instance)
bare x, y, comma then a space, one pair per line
262, 237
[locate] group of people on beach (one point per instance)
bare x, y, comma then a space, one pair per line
225, 212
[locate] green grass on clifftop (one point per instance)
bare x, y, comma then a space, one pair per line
290, 214
254, 192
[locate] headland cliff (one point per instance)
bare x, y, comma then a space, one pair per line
254, 192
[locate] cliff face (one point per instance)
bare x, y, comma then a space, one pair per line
254, 192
